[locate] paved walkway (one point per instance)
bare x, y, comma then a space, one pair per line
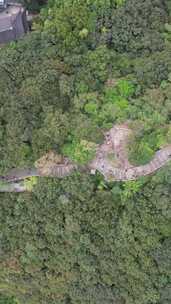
116, 141
116, 169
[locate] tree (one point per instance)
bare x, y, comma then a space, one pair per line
33, 5
7, 300
82, 240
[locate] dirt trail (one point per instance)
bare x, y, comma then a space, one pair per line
111, 160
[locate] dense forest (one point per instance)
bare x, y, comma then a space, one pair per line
86, 65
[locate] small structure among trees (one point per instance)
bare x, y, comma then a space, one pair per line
13, 21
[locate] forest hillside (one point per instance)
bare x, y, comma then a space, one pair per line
86, 66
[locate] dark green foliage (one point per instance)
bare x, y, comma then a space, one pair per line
135, 27
72, 241
151, 71
81, 240
7, 300
33, 5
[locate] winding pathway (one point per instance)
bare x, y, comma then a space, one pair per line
116, 141
111, 160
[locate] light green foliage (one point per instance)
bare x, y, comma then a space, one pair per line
147, 141
163, 84
123, 88
120, 2
115, 104
131, 188
83, 33
80, 152
141, 153
30, 183
168, 27
91, 108
70, 14
111, 113
83, 99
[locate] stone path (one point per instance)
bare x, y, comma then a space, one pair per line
116, 169
116, 141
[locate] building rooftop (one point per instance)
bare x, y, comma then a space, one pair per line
7, 17
5, 24
3, 3
13, 22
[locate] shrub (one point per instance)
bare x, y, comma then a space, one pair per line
80, 151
